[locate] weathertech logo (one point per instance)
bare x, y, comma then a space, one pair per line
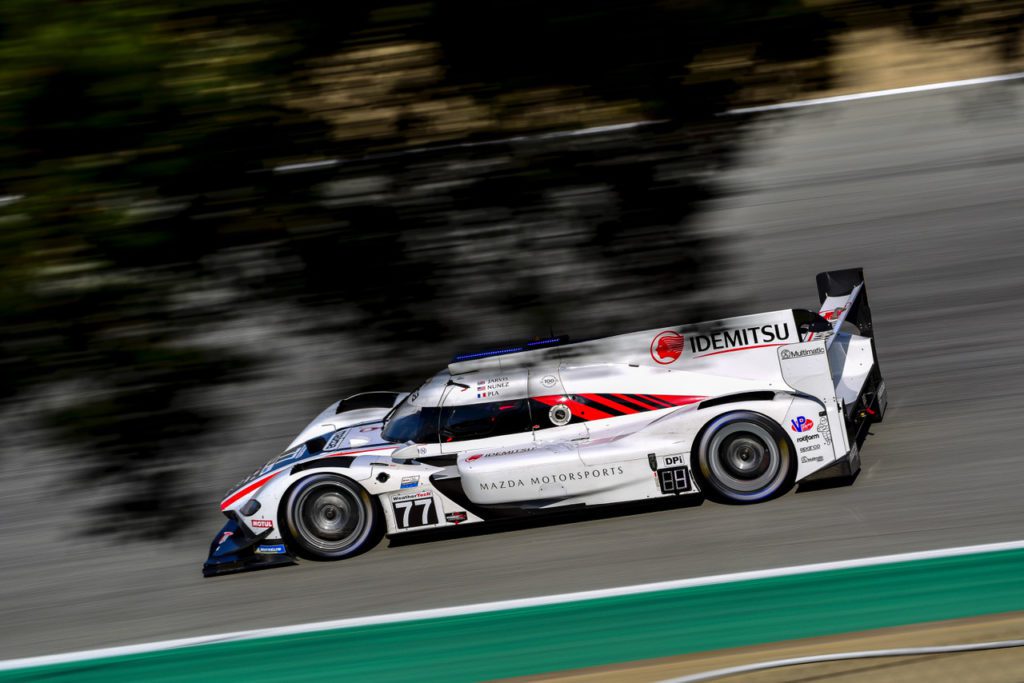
787, 355
666, 347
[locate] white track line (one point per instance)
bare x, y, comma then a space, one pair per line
554, 135
946, 85
46, 660
844, 656
796, 104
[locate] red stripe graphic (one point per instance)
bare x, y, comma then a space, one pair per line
247, 490
641, 402
744, 348
578, 409
622, 408
241, 493
658, 403
585, 412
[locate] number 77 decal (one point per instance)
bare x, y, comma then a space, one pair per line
407, 516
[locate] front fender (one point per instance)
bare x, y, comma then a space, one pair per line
365, 470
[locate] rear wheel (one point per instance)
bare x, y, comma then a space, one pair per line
329, 517
744, 457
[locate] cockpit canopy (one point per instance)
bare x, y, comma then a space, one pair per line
421, 424
463, 408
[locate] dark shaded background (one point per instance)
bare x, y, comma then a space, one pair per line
157, 184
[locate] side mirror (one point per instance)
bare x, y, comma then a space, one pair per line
410, 451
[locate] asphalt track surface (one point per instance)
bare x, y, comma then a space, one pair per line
926, 192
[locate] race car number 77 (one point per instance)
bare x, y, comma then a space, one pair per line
427, 517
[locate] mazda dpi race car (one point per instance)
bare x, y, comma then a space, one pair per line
737, 410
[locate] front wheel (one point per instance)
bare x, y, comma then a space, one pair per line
329, 517
744, 457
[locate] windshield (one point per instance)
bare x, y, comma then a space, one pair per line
411, 423
483, 420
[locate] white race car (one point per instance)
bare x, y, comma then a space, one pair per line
737, 410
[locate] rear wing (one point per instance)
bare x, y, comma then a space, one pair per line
815, 368
844, 298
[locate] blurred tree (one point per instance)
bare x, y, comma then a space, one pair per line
139, 141
130, 137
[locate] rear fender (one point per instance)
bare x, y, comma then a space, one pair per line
806, 368
810, 431
685, 426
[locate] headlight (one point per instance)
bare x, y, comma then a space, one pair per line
250, 508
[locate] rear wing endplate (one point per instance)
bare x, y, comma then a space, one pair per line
843, 297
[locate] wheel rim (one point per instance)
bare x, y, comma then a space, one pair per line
744, 457
330, 517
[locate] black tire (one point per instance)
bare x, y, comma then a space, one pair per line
330, 517
744, 457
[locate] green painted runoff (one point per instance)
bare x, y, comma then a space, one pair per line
571, 635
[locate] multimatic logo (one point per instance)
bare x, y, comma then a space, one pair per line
727, 340
788, 355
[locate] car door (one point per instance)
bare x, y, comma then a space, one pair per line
557, 416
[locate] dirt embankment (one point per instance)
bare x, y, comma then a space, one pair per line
994, 666
878, 59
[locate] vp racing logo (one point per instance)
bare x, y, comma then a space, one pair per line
666, 347
800, 424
